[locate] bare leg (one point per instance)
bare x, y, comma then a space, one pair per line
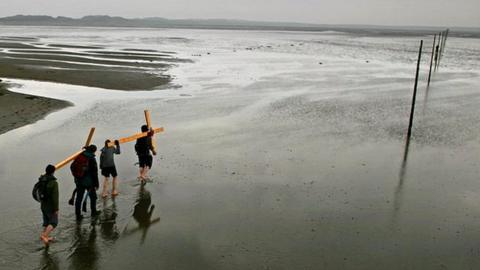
114, 186
105, 187
145, 173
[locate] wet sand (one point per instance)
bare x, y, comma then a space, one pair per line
269, 161
17, 110
26, 58
76, 64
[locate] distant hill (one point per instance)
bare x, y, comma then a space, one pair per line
157, 22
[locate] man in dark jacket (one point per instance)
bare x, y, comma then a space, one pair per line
143, 148
49, 204
89, 183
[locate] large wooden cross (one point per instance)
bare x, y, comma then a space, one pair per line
151, 132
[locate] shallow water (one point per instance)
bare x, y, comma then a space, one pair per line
269, 160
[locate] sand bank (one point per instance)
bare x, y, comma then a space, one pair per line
28, 58
17, 110
72, 64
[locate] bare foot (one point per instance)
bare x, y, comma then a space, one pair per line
44, 239
104, 195
114, 193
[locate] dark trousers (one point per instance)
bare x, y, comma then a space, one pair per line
92, 194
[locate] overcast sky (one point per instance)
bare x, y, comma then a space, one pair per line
380, 12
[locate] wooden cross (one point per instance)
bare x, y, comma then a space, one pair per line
72, 157
141, 134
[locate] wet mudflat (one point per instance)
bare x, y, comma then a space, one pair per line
269, 161
35, 58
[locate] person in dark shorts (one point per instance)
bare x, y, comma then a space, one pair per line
143, 147
49, 204
107, 165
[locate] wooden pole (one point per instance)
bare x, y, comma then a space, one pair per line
442, 45
431, 59
444, 41
439, 49
149, 125
410, 124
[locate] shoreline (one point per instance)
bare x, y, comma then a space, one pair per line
17, 110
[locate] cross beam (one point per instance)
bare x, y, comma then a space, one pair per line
151, 132
136, 136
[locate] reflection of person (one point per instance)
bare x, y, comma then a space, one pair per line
85, 254
107, 165
142, 213
49, 204
108, 221
143, 146
48, 261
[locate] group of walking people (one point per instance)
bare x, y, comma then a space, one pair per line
85, 173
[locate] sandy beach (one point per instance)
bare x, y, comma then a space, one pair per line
17, 110
281, 150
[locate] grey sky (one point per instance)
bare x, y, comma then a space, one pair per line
382, 12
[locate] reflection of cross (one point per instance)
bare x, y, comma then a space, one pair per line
151, 132
142, 214
72, 157
143, 229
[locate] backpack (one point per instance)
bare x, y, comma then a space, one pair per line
39, 191
79, 166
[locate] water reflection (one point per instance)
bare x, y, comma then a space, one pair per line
108, 222
85, 252
142, 214
425, 100
398, 196
48, 261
